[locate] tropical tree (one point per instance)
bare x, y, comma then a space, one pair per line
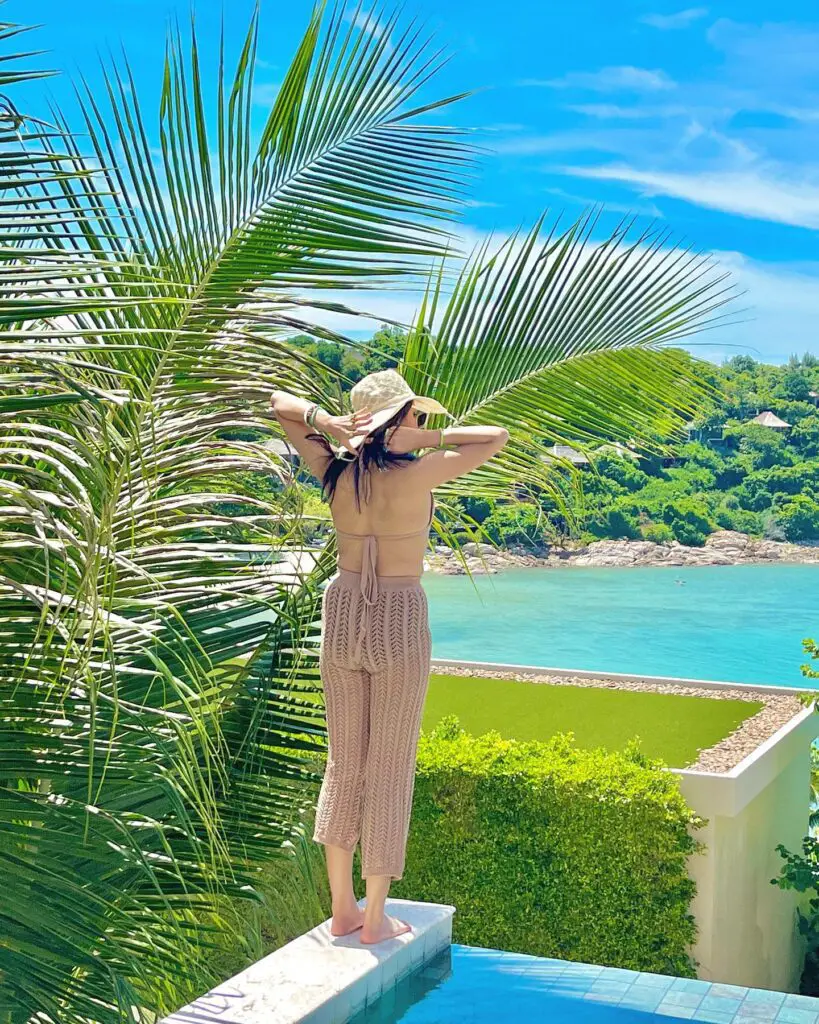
158, 710
154, 670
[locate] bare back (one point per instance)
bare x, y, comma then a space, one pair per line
398, 515
388, 535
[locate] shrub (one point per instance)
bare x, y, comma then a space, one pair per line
552, 850
689, 520
771, 527
759, 446
622, 471
740, 519
695, 453
621, 525
799, 518
689, 535
521, 523
758, 490
660, 533
692, 478
801, 872
805, 436
477, 508
731, 475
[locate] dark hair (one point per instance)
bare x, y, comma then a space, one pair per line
374, 455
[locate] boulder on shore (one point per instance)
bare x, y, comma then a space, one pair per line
725, 547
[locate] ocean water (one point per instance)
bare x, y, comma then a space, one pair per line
741, 623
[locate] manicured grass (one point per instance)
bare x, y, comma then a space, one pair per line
671, 727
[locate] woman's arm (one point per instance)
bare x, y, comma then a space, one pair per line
289, 410
471, 447
409, 439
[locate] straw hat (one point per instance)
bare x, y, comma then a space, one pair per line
383, 394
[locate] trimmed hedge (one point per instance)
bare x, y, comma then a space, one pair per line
548, 849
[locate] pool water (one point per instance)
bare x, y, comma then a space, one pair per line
488, 986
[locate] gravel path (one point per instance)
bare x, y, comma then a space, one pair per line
723, 756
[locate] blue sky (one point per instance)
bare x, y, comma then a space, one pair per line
705, 118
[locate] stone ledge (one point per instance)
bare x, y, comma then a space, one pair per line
319, 979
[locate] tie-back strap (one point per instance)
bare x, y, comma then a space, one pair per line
369, 562
363, 474
369, 588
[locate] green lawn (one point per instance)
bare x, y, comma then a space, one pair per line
669, 726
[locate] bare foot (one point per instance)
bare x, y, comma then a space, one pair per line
343, 924
388, 928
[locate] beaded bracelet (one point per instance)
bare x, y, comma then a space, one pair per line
310, 414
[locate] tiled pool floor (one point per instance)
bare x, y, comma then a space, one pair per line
478, 986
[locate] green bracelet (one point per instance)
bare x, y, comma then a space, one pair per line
311, 413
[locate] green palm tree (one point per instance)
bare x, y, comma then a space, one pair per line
158, 623
156, 728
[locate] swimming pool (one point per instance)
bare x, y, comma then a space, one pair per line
487, 986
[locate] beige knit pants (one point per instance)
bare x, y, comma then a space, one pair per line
375, 660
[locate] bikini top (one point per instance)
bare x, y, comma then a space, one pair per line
369, 554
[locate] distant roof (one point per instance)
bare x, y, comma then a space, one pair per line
768, 419
281, 447
565, 453
617, 449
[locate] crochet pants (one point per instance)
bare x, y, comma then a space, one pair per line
375, 660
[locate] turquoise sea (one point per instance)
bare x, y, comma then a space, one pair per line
740, 623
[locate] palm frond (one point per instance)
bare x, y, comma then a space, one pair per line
564, 340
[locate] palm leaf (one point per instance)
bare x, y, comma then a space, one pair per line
566, 341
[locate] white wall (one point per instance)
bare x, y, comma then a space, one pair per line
747, 927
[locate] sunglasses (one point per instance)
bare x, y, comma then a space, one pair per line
420, 418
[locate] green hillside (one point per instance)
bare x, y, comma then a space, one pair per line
727, 473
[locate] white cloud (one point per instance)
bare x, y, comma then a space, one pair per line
382, 306
611, 79
747, 193
682, 19
634, 209
367, 22
771, 55
777, 312
264, 93
612, 141
503, 126
782, 302
614, 111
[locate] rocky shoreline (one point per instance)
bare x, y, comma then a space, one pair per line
725, 547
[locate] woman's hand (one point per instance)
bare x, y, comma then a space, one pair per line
342, 428
408, 439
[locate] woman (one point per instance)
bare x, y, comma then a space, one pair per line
375, 648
